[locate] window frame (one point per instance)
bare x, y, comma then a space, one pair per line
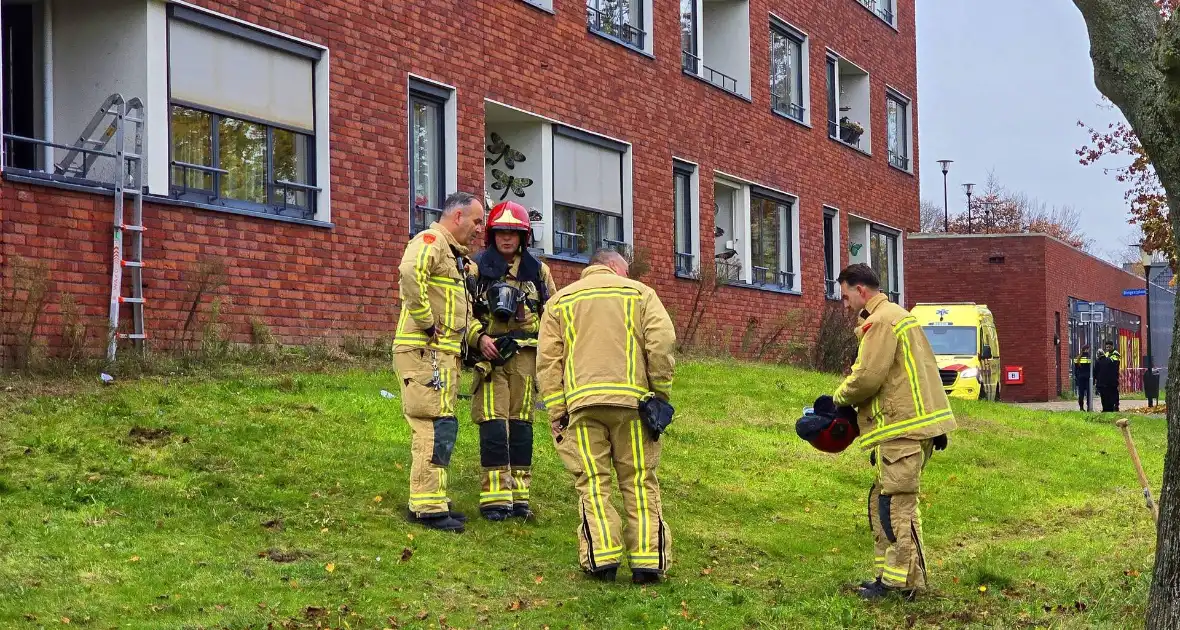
892, 272
626, 213
788, 32
832, 257
788, 230
903, 161
686, 213
437, 97
602, 220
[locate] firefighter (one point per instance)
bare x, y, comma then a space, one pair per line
512, 289
435, 326
1106, 377
903, 415
1081, 375
605, 367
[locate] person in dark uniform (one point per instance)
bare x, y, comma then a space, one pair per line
1081, 376
1106, 378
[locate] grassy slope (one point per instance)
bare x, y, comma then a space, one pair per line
1042, 509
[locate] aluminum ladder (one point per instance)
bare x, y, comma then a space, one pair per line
128, 185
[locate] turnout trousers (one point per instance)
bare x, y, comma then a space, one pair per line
502, 405
896, 521
429, 408
597, 439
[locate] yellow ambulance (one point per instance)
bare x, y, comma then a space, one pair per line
963, 337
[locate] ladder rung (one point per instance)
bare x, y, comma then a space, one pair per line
132, 228
133, 119
133, 263
131, 336
131, 300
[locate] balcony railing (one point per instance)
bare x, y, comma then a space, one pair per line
613, 26
692, 65
785, 107
686, 264
894, 296
728, 271
421, 217
831, 289
882, 8
900, 161
765, 276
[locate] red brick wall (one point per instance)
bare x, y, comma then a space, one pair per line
310, 283
1037, 276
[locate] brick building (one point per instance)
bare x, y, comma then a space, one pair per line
1031, 283
301, 143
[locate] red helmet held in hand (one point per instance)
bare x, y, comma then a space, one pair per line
509, 215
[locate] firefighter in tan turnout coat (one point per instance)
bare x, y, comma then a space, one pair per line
512, 289
435, 326
606, 343
903, 415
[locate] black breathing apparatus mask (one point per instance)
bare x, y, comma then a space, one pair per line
503, 300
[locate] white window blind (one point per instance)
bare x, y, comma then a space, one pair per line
232, 75
587, 175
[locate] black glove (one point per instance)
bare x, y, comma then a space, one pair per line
824, 406
940, 443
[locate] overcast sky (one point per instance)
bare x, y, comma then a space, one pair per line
1001, 85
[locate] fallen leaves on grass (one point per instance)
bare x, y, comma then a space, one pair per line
706, 571
539, 579
422, 614
407, 553
274, 524
330, 567
134, 559
278, 555
144, 436
312, 613
377, 499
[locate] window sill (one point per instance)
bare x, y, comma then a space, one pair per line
538, 6
715, 86
859, 150
790, 118
892, 25
577, 260
683, 275
37, 178
903, 170
763, 287
183, 203
612, 38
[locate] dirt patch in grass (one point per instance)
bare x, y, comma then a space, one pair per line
145, 436
283, 556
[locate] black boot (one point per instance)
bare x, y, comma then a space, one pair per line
442, 521
496, 514
869, 583
521, 510
645, 576
604, 575
880, 590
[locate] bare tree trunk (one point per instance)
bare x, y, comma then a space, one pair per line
1136, 54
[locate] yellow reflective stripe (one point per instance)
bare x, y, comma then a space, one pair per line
904, 324
667, 384
489, 400
445, 281
621, 389
597, 293
895, 573
449, 309
552, 399
638, 458
879, 561
571, 338
632, 346
911, 370
889, 431
591, 468
486, 497
526, 406
414, 341
428, 497
608, 554
421, 274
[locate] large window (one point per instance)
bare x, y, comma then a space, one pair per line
427, 137
587, 192
622, 20
787, 74
715, 43
684, 200
242, 117
849, 119
688, 31
883, 254
771, 229
897, 121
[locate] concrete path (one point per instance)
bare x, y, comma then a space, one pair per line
1071, 405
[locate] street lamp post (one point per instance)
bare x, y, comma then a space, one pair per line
1150, 385
946, 215
968, 188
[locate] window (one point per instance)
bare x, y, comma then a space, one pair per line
831, 254
587, 192
427, 162
242, 117
882, 9
771, 229
545, 5
727, 241
621, 20
718, 50
685, 207
849, 119
883, 259
898, 125
787, 75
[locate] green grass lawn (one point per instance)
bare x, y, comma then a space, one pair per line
256, 498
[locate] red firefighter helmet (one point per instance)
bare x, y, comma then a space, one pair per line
509, 215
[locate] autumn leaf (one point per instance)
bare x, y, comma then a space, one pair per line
407, 553
398, 466
134, 559
538, 579
377, 499
422, 614
706, 571
410, 536
323, 530
330, 568
684, 609
65, 620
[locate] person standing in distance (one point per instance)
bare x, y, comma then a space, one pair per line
606, 347
512, 289
1081, 376
435, 326
903, 415
1106, 377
